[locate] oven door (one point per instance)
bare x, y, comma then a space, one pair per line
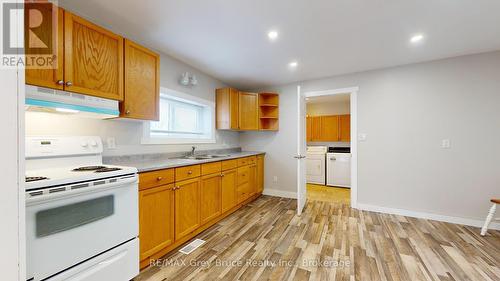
67, 228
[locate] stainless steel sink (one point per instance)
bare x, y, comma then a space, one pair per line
204, 157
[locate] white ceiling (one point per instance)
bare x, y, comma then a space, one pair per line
228, 39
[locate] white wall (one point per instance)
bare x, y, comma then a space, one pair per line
128, 133
329, 108
406, 111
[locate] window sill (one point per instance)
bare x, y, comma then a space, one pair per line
175, 141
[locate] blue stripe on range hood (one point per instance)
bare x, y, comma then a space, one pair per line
56, 101
54, 105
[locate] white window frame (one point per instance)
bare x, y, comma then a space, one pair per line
148, 139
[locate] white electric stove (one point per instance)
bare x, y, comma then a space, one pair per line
81, 215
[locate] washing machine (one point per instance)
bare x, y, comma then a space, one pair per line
315, 164
338, 167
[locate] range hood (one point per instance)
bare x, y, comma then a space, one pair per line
55, 101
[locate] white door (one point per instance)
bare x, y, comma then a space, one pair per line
301, 151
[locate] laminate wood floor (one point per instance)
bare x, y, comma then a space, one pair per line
266, 240
319, 192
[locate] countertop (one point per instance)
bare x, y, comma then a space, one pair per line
145, 164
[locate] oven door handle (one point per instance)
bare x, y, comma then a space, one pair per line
80, 191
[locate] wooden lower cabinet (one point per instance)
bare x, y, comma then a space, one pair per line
187, 207
260, 173
252, 182
156, 219
210, 197
172, 213
228, 197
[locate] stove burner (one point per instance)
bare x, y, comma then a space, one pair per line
88, 168
103, 170
28, 179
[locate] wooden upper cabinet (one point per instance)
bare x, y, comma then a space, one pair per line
156, 219
248, 111
315, 128
329, 128
93, 59
49, 33
187, 207
345, 128
308, 128
210, 197
142, 83
226, 103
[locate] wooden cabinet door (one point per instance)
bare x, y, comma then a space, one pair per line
51, 31
156, 219
229, 197
93, 59
187, 207
227, 109
308, 128
315, 128
248, 111
210, 197
260, 173
252, 171
345, 127
329, 128
142, 83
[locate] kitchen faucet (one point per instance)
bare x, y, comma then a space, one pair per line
193, 148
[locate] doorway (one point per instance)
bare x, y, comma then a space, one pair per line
327, 138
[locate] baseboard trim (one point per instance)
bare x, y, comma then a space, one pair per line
428, 216
279, 193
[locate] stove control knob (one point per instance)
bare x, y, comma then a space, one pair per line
93, 143
84, 144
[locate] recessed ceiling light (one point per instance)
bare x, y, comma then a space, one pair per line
417, 38
273, 34
293, 64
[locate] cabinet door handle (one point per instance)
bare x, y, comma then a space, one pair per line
159, 178
221, 175
60, 82
190, 172
127, 112
69, 83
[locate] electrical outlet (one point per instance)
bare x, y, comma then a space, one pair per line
111, 143
362, 137
275, 179
445, 144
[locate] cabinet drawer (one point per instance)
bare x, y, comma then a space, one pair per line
244, 192
243, 175
252, 160
229, 164
210, 168
188, 172
243, 161
155, 178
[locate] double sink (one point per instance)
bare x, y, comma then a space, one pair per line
204, 156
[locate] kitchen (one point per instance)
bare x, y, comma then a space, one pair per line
141, 156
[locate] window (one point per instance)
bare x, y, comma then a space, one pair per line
183, 119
